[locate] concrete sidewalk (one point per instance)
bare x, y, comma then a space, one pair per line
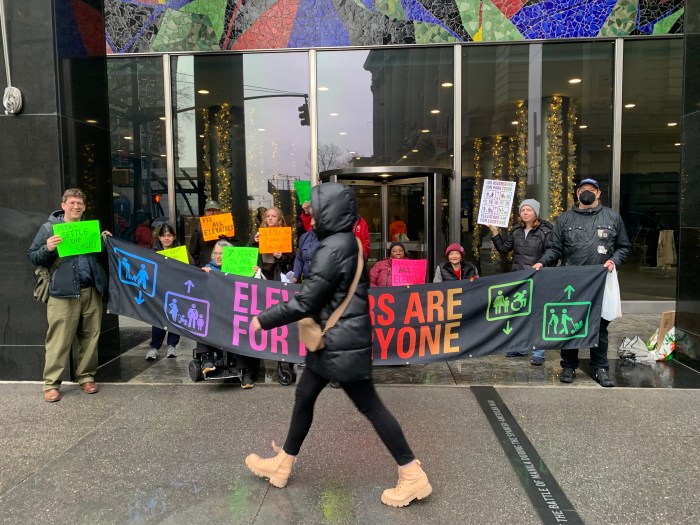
154, 453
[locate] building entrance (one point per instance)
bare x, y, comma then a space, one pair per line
410, 204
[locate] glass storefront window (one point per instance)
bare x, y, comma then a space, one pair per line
137, 126
239, 136
651, 150
385, 107
539, 115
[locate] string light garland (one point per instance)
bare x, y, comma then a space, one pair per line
497, 147
555, 157
206, 153
572, 119
521, 135
476, 238
223, 156
89, 184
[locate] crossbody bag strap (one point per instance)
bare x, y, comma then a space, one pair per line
342, 306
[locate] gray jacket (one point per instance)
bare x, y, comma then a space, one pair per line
65, 281
585, 236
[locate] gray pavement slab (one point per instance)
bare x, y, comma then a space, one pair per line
154, 453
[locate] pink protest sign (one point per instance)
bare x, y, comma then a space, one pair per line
408, 271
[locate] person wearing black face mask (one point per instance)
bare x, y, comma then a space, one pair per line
590, 233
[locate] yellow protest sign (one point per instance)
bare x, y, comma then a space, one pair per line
275, 240
215, 226
179, 254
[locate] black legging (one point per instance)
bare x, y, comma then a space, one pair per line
365, 397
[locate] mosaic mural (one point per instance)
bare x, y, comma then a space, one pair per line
134, 26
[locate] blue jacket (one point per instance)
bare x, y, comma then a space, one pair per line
307, 246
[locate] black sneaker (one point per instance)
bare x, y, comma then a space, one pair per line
567, 375
247, 381
602, 377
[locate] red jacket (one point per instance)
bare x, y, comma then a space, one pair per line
362, 232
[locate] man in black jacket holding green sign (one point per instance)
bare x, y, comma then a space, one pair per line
74, 308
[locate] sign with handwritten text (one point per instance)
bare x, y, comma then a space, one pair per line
275, 240
214, 226
239, 260
408, 271
496, 202
179, 254
78, 237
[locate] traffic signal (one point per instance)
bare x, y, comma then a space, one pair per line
304, 114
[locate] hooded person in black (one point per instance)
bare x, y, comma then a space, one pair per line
347, 356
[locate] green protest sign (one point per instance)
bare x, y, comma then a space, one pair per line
78, 237
303, 189
179, 254
239, 261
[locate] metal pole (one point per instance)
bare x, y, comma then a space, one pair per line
313, 117
617, 126
169, 142
455, 203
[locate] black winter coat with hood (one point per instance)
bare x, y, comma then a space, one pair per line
348, 352
527, 249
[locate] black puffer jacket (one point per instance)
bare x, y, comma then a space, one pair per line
526, 250
65, 281
587, 236
348, 352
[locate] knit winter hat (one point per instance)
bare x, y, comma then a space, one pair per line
454, 247
532, 203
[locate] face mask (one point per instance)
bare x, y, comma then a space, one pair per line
586, 197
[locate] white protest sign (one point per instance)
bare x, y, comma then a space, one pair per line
496, 202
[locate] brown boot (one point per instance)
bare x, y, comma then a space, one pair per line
277, 469
413, 484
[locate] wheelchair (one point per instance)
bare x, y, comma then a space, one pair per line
210, 363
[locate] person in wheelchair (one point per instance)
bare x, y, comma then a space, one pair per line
248, 366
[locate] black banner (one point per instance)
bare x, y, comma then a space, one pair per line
551, 308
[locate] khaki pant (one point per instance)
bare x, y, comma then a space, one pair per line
77, 318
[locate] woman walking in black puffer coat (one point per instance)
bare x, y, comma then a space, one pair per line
347, 356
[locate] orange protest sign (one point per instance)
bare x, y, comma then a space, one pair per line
214, 226
275, 240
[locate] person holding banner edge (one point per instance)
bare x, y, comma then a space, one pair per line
589, 233
527, 241
347, 356
74, 308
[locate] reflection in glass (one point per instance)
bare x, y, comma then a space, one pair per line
385, 107
240, 136
653, 73
136, 109
521, 117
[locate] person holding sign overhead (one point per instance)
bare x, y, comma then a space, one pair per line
166, 241
455, 268
273, 265
74, 309
527, 241
347, 355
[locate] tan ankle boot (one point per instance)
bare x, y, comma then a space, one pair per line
277, 469
413, 484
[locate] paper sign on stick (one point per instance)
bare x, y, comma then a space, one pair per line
213, 226
408, 271
239, 261
78, 237
179, 254
275, 240
496, 202
303, 189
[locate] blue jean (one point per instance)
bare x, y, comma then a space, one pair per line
158, 335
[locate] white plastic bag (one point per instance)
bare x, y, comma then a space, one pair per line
612, 305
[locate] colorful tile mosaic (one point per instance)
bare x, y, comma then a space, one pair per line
137, 26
